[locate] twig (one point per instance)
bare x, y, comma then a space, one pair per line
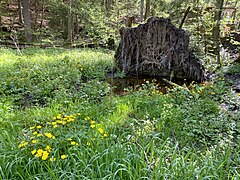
15, 43
174, 84
184, 17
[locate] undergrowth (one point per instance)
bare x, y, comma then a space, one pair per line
60, 120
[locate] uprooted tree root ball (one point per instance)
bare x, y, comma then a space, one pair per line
158, 48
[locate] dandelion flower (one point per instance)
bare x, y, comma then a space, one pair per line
92, 122
23, 144
33, 151
48, 148
52, 159
39, 126
55, 126
105, 135
54, 123
69, 139
93, 126
48, 135
35, 133
74, 143
39, 153
45, 155
33, 127
63, 156
100, 130
59, 116
39, 135
34, 141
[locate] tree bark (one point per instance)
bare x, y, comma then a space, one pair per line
70, 22
20, 16
108, 6
141, 10
147, 9
27, 19
216, 30
0, 14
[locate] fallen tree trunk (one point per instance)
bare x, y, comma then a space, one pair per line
158, 48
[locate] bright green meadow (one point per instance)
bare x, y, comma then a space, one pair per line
59, 119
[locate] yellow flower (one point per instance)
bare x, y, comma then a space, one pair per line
92, 122
93, 126
59, 122
34, 141
74, 143
55, 126
48, 148
63, 156
33, 151
64, 122
69, 139
88, 143
54, 118
45, 155
39, 126
105, 135
39, 153
23, 144
35, 133
59, 116
70, 120
52, 159
87, 118
212, 92
48, 135
33, 127
39, 135
100, 130
54, 123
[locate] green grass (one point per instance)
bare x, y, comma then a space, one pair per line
185, 134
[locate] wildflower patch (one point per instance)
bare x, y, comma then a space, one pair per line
54, 139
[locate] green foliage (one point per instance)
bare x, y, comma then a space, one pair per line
94, 134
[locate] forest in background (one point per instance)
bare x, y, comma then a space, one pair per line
62, 115
76, 23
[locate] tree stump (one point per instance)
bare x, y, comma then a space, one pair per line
158, 48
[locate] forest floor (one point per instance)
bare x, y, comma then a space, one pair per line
60, 119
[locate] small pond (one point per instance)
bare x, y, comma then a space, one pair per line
120, 85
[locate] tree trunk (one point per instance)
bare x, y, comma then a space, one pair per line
158, 48
27, 19
216, 30
141, 10
0, 14
42, 14
108, 5
36, 4
70, 22
20, 16
147, 9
